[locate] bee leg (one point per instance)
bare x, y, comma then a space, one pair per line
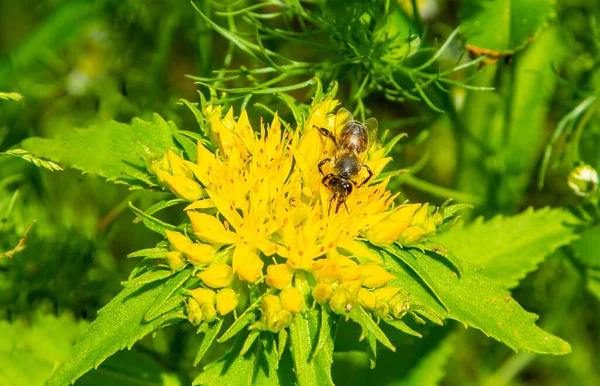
326, 179
368, 178
323, 162
326, 133
339, 203
331, 202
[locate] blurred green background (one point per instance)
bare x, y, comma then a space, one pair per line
77, 63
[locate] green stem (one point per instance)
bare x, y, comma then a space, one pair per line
439, 191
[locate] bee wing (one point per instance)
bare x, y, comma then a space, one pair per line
371, 126
342, 117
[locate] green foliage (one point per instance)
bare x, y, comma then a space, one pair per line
499, 27
110, 150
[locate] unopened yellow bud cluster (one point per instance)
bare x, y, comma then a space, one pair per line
406, 225
172, 173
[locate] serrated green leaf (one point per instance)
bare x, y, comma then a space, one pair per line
364, 319
190, 147
209, 337
165, 204
250, 339
480, 302
245, 319
119, 324
153, 223
257, 367
109, 149
148, 277
171, 286
303, 337
510, 247
501, 27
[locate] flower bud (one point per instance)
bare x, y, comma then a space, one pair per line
227, 301
250, 268
279, 276
291, 299
398, 306
279, 320
322, 293
347, 269
209, 229
340, 302
271, 303
194, 312
176, 260
386, 293
177, 240
366, 299
183, 187
583, 180
420, 215
209, 312
177, 166
203, 295
386, 232
382, 309
374, 275
199, 254
325, 271
404, 213
218, 275
412, 235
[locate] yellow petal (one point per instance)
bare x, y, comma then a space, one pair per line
184, 187
218, 275
291, 299
412, 235
359, 249
322, 292
177, 240
271, 303
420, 215
279, 276
386, 232
203, 295
200, 254
247, 264
177, 165
325, 271
227, 301
206, 203
366, 299
404, 213
210, 230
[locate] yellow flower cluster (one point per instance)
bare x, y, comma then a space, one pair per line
259, 214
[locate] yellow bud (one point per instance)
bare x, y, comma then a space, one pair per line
340, 303
250, 268
382, 309
438, 219
271, 303
217, 275
386, 293
194, 312
386, 232
210, 230
322, 292
412, 235
366, 299
161, 176
279, 320
203, 295
374, 275
199, 254
184, 187
325, 271
177, 240
404, 213
177, 165
279, 276
227, 301
209, 312
420, 215
291, 299
176, 260
347, 269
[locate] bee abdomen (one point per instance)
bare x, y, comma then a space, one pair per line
347, 165
354, 138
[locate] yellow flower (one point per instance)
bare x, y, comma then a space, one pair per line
227, 301
183, 187
218, 275
199, 254
322, 292
176, 260
366, 299
194, 312
177, 241
247, 264
203, 295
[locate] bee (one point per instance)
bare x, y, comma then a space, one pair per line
352, 142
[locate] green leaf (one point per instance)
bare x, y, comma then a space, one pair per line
119, 324
430, 369
172, 285
593, 282
500, 27
153, 223
401, 326
510, 247
476, 301
148, 277
303, 337
369, 327
154, 253
209, 337
109, 149
11, 96
248, 317
257, 367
